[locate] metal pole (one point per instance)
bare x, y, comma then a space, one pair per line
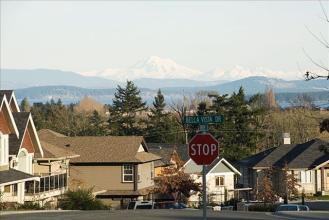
204, 192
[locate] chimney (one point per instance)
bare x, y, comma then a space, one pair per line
286, 138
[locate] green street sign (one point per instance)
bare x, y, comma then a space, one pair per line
204, 119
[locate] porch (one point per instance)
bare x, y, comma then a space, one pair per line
323, 180
49, 186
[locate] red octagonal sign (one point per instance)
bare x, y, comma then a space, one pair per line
203, 149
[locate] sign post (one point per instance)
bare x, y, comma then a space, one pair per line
203, 148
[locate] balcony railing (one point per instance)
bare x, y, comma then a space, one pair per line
46, 184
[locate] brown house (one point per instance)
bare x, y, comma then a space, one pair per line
118, 168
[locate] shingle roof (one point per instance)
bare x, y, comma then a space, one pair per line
140, 192
254, 159
306, 155
47, 133
1, 98
52, 151
192, 167
21, 120
105, 149
11, 175
7, 93
165, 151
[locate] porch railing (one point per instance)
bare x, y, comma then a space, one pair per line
46, 184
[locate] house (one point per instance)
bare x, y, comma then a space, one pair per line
221, 179
170, 155
308, 162
21, 154
118, 168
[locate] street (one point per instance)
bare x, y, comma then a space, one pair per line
161, 215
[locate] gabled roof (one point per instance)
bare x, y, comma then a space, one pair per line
12, 125
165, 151
307, 155
12, 176
22, 121
191, 167
11, 99
52, 152
254, 159
101, 149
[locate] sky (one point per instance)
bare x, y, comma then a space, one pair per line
85, 36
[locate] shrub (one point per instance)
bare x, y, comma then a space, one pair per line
263, 207
231, 202
29, 206
318, 197
81, 199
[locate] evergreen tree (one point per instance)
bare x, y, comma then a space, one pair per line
159, 125
25, 105
238, 134
127, 103
96, 125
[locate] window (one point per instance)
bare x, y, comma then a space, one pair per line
7, 189
15, 187
306, 176
128, 173
219, 181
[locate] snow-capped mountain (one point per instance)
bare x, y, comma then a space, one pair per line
155, 67
239, 72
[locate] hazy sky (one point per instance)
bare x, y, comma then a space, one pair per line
94, 35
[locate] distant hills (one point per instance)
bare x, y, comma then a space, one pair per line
43, 84
21, 78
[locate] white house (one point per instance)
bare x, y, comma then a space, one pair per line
221, 179
26, 168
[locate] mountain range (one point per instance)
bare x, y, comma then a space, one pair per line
149, 75
163, 68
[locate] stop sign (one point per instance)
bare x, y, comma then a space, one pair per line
203, 149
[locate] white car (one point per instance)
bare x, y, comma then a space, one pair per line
292, 207
133, 205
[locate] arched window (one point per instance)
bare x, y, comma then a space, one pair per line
23, 161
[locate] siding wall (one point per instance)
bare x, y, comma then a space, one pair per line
99, 177
217, 192
144, 171
4, 128
27, 142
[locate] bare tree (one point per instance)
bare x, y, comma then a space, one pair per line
181, 108
309, 75
270, 101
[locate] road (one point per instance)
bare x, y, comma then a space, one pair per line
161, 215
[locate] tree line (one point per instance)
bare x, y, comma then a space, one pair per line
250, 124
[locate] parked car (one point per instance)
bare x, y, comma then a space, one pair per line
219, 208
133, 205
170, 205
292, 207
